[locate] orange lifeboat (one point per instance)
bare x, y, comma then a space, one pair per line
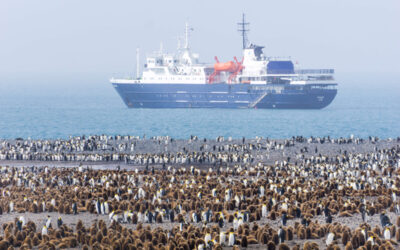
231, 67
227, 66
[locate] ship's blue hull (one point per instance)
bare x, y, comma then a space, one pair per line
222, 95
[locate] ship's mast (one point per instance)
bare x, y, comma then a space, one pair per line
161, 48
243, 29
179, 42
186, 35
137, 64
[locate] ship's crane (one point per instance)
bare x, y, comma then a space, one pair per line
239, 68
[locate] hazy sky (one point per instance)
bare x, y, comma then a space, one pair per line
99, 37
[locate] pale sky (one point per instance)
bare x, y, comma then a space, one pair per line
100, 37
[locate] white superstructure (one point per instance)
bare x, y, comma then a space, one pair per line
184, 67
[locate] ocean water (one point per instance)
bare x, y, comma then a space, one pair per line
59, 107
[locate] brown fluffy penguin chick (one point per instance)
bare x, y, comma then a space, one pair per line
272, 215
99, 236
159, 218
217, 246
355, 242
301, 233
398, 235
345, 214
308, 233
271, 245
345, 237
348, 246
252, 241
333, 247
308, 245
377, 231
283, 246
4, 244
243, 242
392, 231
387, 246
28, 242
275, 238
289, 233
25, 247
255, 226
263, 238
34, 208
79, 225
296, 247
360, 241
67, 208
62, 245
35, 241
61, 209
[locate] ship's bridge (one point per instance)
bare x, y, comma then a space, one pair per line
256, 63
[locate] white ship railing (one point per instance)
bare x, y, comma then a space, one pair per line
315, 71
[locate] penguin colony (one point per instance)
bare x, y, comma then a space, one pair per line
285, 205
165, 150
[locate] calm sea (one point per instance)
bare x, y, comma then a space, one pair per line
57, 107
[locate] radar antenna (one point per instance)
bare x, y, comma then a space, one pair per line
243, 29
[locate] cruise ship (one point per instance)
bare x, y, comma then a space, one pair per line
257, 81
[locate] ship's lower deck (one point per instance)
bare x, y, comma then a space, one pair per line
222, 95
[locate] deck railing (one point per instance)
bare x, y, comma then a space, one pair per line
315, 71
